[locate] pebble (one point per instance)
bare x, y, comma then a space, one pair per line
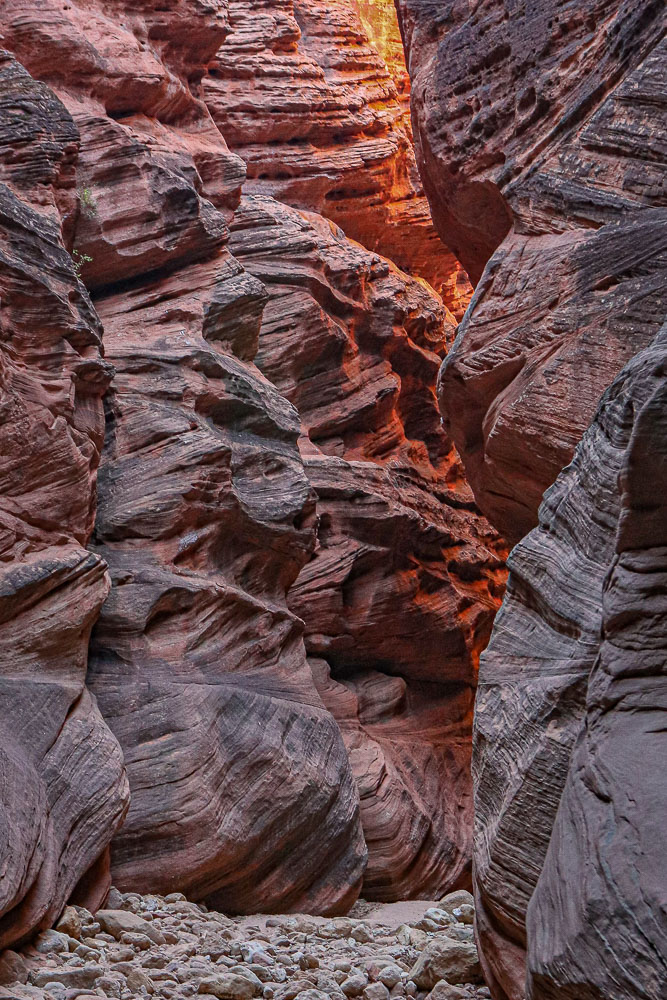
376, 991
70, 923
119, 922
390, 975
445, 991
49, 941
353, 986
137, 980
13, 968
85, 976
448, 959
465, 913
454, 899
230, 986
168, 948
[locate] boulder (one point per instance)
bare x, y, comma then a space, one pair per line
119, 922
228, 986
448, 960
13, 968
445, 991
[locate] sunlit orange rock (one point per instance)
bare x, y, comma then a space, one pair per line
381, 24
301, 93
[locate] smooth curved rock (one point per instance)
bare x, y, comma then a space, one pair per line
242, 792
63, 789
539, 138
399, 595
596, 923
547, 123
553, 320
240, 757
539, 683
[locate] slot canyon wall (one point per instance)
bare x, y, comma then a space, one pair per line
63, 789
245, 585
539, 132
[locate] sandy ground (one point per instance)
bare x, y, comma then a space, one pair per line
389, 914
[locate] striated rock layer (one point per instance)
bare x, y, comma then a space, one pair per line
265, 772
204, 519
539, 137
570, 714
548, 123
301, 93
63, 789
607, 830
381, 25
400, 593
204, 511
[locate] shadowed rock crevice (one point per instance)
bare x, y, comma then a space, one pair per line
401, 588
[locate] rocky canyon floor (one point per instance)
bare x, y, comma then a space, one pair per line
168, 947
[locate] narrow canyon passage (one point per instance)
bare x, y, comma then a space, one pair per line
293, 584
260, 449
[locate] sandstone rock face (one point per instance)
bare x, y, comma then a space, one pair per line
539, 137
204, 520
63, 789
381, 25
559, 708
301, 93
204, 510
549, 123
521, 383
606, 933
263, 770
399, 595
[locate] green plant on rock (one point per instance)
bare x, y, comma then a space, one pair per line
88, 206
79, 260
